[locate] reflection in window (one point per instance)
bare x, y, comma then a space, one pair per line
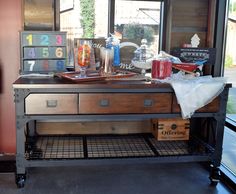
230, 57
75, 20
134, 21
83, 19
229, 151
137, 20
229, 146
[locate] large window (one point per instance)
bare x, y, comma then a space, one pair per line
229, 147
130, 21
230, 56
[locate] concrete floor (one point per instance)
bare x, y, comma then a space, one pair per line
181, 178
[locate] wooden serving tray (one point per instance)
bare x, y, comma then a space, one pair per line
94, 76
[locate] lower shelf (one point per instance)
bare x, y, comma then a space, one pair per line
110, 146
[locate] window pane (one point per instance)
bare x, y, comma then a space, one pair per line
229, 150
83, 19
93, 14
230, 57
134, 21
137, 20
101, 18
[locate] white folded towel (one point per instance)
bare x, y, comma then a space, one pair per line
193, 93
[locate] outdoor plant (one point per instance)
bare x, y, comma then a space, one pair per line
228, 61
231, 109
88, 18
138, 32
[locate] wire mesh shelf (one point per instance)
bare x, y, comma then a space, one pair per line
118, 146
55, 147
110, 146
174, 148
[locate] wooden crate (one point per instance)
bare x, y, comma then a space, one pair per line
171, 129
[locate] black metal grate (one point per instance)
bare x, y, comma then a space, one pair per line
165, 148
118, 146
56, 147
110, 146
174, 148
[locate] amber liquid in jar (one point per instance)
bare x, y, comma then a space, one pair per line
84, 55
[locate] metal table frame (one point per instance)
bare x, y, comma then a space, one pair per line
24, 87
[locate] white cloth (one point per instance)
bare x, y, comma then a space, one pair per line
193, 93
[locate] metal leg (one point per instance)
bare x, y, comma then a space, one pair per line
214, 175
20, 147
31, 128
219, 134
21, 121
20, 180
20, 159
31, 137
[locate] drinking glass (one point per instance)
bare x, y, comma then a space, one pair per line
106, 61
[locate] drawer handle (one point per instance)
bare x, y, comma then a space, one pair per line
173, 126
51, 103
148, 103
104, 103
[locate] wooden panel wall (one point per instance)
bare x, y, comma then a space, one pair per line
187, 18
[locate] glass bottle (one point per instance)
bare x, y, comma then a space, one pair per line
143, 50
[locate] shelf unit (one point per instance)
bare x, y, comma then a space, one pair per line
43, 99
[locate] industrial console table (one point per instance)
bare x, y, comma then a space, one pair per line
57, 99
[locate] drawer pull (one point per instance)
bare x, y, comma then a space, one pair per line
148, 103
173, 126
51, 103
104, 103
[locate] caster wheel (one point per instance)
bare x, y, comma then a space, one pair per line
214, 183
20, 180
214, 176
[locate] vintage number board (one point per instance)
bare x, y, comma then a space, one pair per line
43, 51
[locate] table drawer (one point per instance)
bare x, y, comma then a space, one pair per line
51, 104
211, 107
105, 103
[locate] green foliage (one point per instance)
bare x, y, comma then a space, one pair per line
88, 17
232, 7
138, 32
231, 106
228, 61
119, 28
